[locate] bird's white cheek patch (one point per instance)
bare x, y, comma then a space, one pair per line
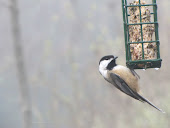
102, 67
103, 72
104, 64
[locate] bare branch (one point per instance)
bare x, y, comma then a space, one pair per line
23, 84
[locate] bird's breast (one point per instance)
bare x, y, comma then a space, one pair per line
127, 76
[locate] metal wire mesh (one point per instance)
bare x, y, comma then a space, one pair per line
141, 63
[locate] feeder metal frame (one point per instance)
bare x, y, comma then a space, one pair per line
140, 64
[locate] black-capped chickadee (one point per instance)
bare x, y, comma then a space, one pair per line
123, 78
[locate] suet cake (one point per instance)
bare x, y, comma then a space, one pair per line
150, 49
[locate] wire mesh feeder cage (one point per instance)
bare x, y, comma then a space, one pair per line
141, 34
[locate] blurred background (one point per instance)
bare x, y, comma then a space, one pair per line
49, 75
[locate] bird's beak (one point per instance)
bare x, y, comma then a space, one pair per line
115, 57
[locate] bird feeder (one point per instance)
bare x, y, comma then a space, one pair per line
141, 34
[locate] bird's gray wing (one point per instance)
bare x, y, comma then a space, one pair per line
122, 86
134, 73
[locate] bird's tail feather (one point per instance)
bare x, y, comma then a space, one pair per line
147, 101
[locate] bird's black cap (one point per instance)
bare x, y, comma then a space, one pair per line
107, 58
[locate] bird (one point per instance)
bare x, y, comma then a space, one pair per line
123, 78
